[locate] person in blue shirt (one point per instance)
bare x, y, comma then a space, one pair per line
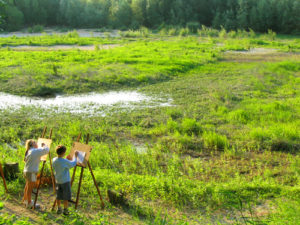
61, 168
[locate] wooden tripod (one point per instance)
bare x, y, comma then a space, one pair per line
3, 178
80, 180
42, 170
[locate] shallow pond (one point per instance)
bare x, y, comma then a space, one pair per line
81, 33
89, 103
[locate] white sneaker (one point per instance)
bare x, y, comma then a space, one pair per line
30, 205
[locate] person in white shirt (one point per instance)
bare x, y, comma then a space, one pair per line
32, 161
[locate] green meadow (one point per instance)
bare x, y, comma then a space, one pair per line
225, 150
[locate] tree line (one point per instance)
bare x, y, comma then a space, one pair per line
282, 16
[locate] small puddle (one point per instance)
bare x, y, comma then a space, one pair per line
81, 33
255, 51
91, 103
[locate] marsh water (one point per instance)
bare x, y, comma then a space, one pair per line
82, 103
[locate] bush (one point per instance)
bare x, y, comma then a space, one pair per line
163, 31
240, 115
14, 19
271, 35
184, 32
172, 125
193, 26
281, 146
174, 113
73, 34
36, 29
207, 32
222, 33
172, 32
190, 126
215, 141
144, 31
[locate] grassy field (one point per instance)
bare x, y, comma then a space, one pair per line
226, 151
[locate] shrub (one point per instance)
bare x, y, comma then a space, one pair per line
252, 33
190, 126
282, 146
144, 31
271, 34
132, 33
163, 31
184, 32
193, 26
215, 141
207, 32
73, 34
239, 115
14, 19
233, 34
172, 32
36, 29
174, 113
172, 125
222, 33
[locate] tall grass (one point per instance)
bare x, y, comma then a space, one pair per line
226, 148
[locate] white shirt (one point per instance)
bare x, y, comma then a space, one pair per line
33, 159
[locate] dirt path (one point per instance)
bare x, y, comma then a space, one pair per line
63, 47
259, 55
14, 206
44, 215
81, 32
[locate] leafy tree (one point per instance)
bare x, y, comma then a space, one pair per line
14, 18
121, 13
139, 11
154, 17
260, 15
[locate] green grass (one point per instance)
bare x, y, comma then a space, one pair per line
227, 150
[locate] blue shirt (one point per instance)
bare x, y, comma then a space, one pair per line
61, 168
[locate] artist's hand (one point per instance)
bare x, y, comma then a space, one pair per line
69, 157
43, 144
76, 153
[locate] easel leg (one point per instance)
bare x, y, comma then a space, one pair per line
52, 174
73, 176
98, 190
79, 186
54, 204
39, 184
2, 175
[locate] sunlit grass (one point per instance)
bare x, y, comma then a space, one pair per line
228, 144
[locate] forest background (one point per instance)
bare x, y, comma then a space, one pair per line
281, 16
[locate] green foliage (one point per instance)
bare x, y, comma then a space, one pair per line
215, 141
14, 18
115, 68
184, 31
193, 26
281, 16
36, 29
225, 148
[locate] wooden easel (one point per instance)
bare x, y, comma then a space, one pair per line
3, 178
80, 179
44, 159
